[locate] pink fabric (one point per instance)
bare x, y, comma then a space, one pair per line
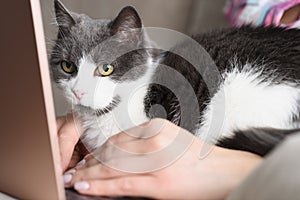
276, 13
259, 12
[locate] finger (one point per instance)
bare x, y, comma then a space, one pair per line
68, 137
60, 121
92, 173
138, 186
86, 162
89, 160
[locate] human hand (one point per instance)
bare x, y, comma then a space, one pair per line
68, 136
189, 177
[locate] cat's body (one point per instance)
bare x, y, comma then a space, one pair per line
260, 76
258, 91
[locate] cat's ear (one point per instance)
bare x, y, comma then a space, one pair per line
127, 20
64, 18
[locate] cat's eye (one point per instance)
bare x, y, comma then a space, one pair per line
68, 67
105, 69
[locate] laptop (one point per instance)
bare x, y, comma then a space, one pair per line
30, 163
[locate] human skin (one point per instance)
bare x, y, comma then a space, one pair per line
189, 177
71, 150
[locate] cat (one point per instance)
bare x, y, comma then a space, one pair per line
259, 67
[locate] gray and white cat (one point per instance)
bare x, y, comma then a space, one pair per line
258, 91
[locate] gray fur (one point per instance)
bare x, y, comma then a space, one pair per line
80, 35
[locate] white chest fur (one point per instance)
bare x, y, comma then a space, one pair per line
129, 113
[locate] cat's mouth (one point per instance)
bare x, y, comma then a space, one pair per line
101, 111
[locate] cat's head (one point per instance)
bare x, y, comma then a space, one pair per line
93, 57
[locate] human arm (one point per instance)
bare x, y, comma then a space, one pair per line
188, 177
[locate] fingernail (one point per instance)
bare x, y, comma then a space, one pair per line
81, 185
71, 171
67, 178
82, 162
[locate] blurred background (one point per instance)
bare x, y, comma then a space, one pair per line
186, 16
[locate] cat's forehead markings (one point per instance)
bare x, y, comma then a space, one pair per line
86, 67
86, 61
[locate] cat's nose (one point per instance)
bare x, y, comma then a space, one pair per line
78, 94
